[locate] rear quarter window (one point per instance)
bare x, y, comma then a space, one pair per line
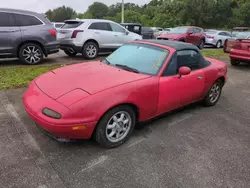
27, 20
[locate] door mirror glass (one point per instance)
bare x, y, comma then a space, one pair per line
184, 71
126, 32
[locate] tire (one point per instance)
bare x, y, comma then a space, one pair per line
88, 48
70, 54
213, 94
201, 45
107, 137
31, 54
234, 62
218, 44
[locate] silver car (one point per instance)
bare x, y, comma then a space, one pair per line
217, 38
91, 36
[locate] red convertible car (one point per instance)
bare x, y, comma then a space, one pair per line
139, 81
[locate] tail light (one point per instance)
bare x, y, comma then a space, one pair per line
210, 37
237, 44
52, 32
75, 32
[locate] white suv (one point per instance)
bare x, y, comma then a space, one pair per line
91, 36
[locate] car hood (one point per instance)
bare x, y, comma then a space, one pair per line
171, 36
90, 78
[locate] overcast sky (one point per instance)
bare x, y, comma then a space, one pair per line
43, 5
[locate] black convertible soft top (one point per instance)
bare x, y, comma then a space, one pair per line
174, 44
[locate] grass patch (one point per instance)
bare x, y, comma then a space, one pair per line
213, 53
21, 76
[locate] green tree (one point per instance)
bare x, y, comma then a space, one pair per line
98, 10
60, 14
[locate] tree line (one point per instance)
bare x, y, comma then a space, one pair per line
167, 13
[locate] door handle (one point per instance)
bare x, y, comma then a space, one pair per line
97, 32
116, 35
199, 77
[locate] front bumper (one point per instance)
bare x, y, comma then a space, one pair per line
35, 100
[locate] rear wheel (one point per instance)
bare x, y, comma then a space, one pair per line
69, 53
218, 44
214, 94
31, 54
234, 62
115, 127
90, 50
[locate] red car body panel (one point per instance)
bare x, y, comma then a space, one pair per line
241, 50
194, 38
83, 93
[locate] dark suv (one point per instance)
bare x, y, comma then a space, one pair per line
26, 35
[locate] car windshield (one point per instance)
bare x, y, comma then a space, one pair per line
179, 30
146, 59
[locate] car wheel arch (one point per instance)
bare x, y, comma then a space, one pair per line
31, 41
133, 106
222, 79
91, 40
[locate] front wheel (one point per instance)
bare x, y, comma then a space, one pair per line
234, 62
214, 94
115, 127
31, 54
201, 45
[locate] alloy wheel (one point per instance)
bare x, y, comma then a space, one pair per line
118, 126
91, 51
32, 54
214, 93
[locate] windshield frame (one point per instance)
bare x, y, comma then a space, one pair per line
108, 62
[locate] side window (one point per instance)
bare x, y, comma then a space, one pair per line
27, 20
197, 30
172, 67
188, 58
191, 30
222, 34
6, 19
117, 28
100, 26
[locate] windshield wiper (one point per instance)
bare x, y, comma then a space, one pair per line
125, 67
106, 61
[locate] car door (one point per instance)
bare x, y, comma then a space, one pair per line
121, 34
190, 36
103, 34
198, 35
176, 91
10, 34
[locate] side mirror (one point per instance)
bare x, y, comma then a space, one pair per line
190, 33
184, 71
126, 32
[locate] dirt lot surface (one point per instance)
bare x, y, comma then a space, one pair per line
195, 147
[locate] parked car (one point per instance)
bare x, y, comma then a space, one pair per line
157, 31
147, 33
229, 42
133, 27
190, 34
26, 35
240, 51
58, 24
106, 99
239, 29
217, 38
91, 36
